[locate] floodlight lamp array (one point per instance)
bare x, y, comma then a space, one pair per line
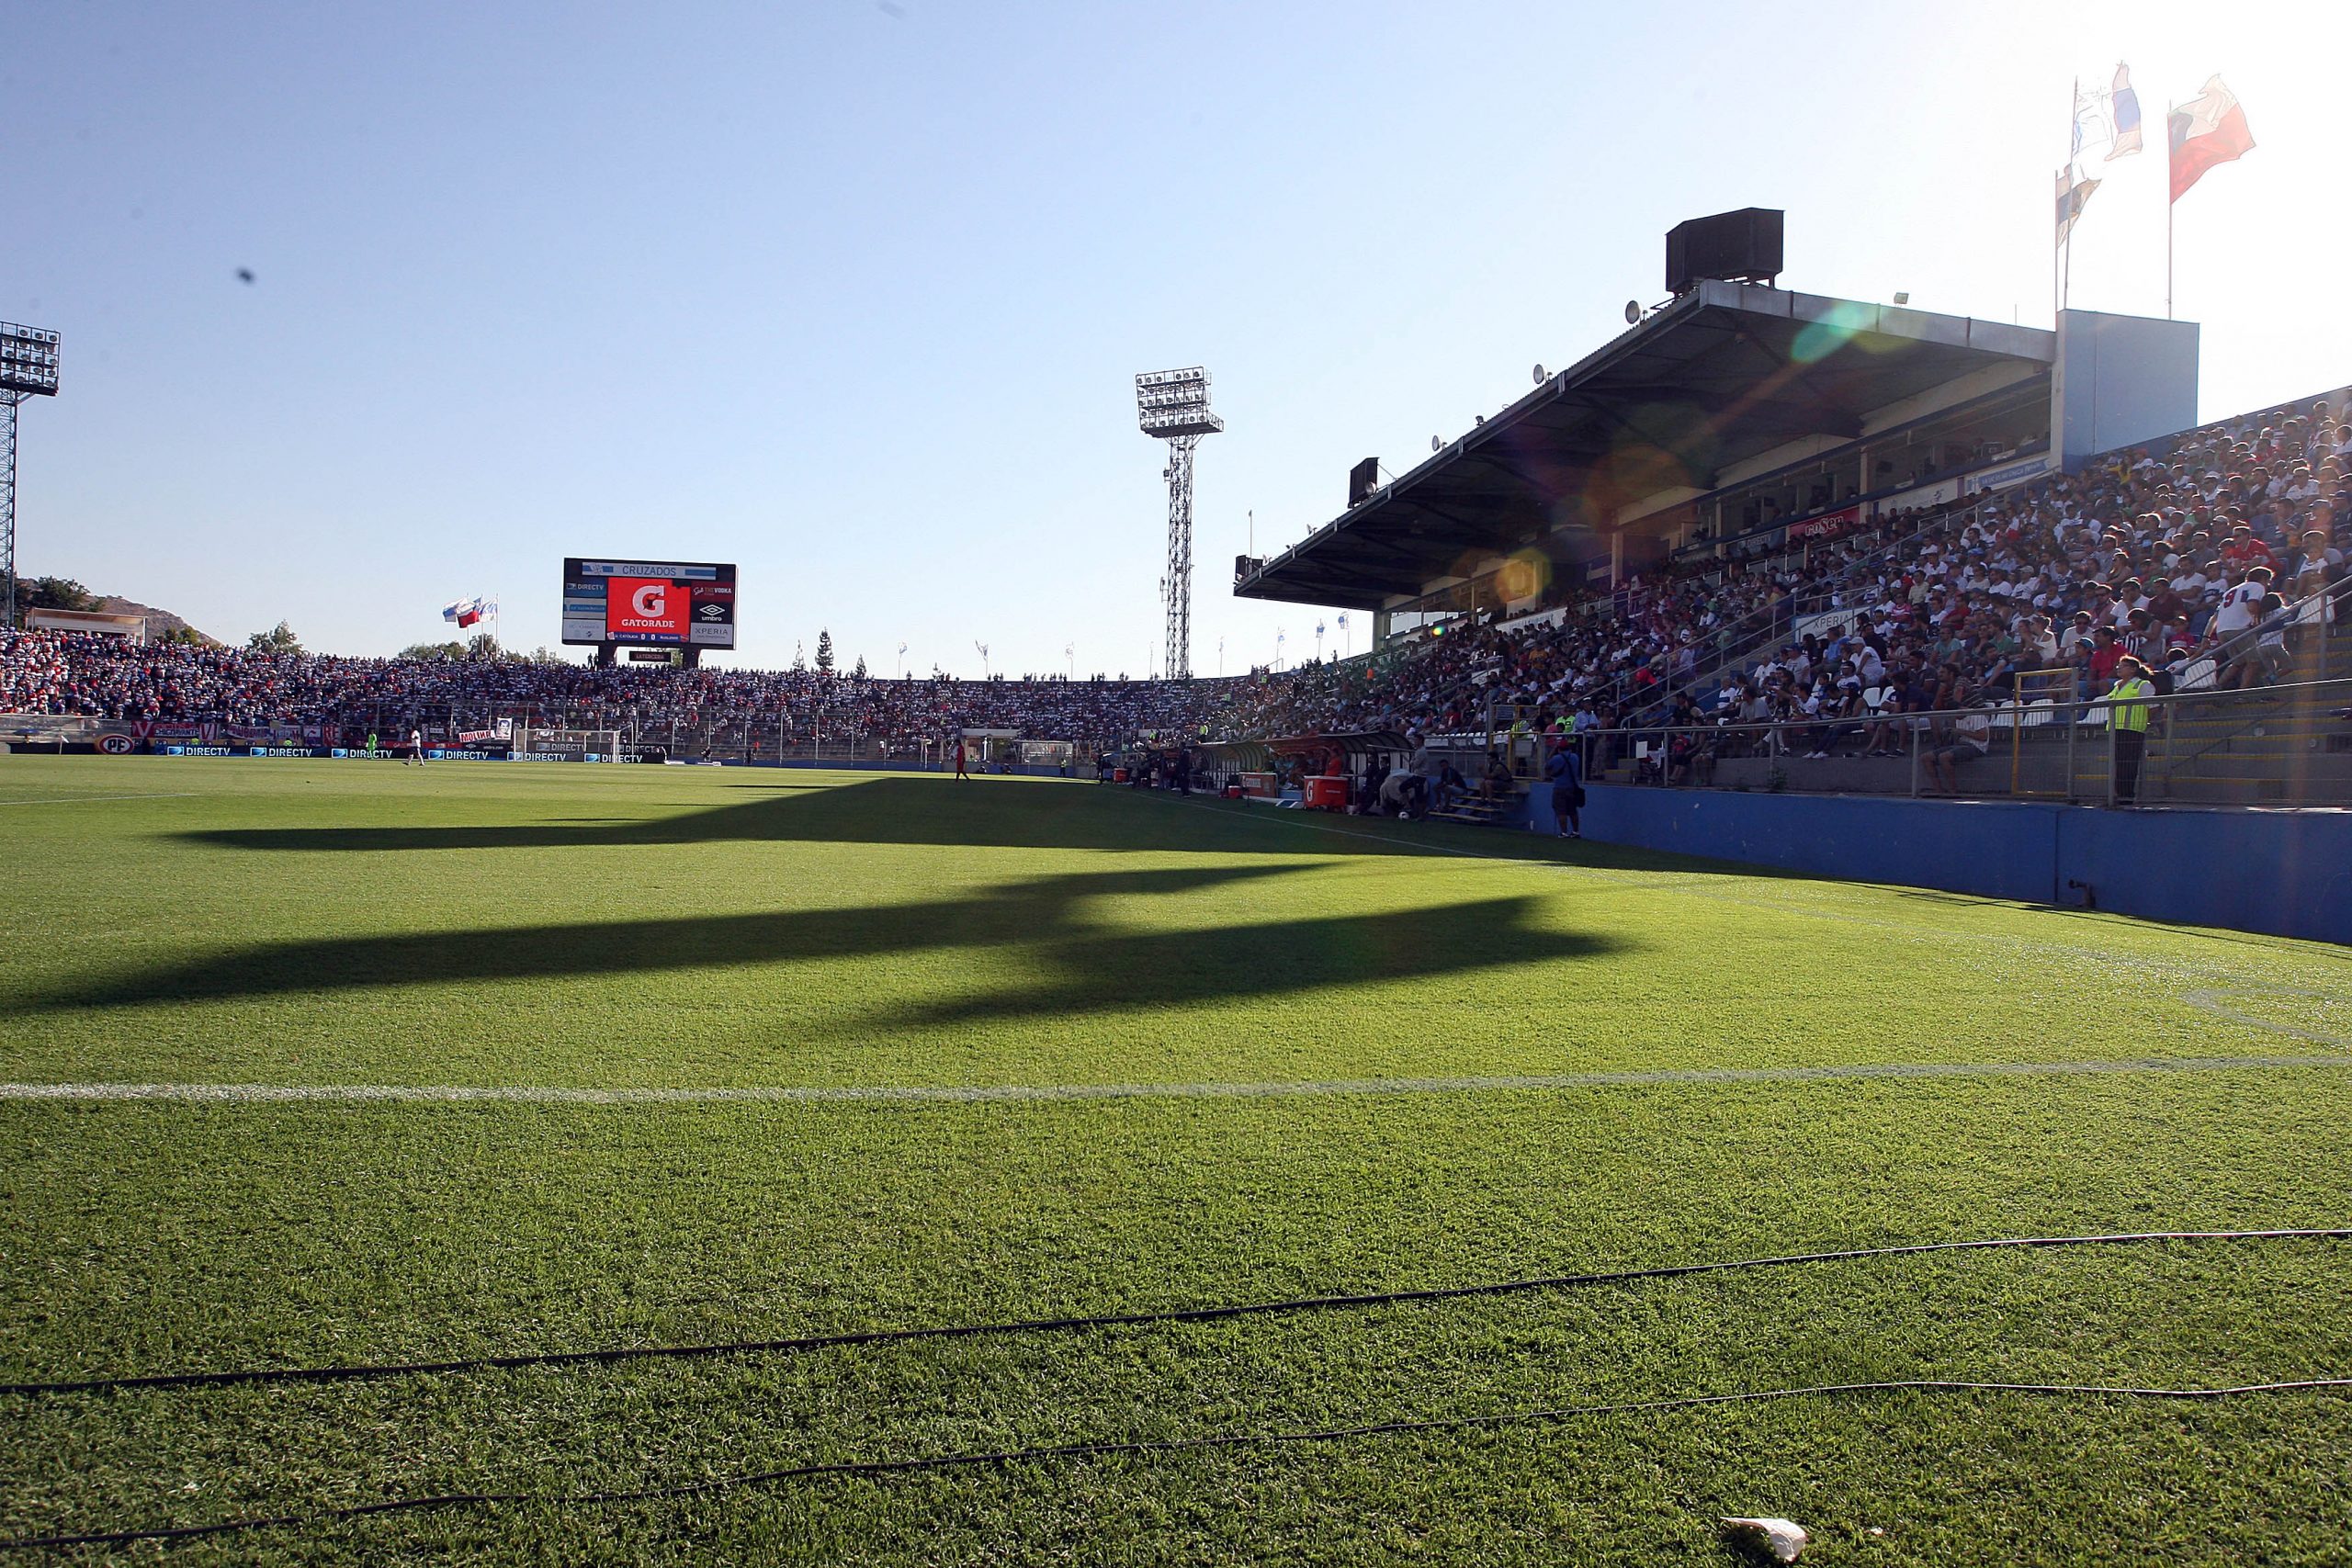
1195, 420
28, 359
1175, 402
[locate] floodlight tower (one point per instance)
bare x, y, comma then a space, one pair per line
1174, 406
27, 369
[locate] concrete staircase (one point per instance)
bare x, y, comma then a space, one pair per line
2282, 746
1502, 811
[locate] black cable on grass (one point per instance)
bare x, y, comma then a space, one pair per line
1101, 1320
882, 1467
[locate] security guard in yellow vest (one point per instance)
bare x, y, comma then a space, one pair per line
2127, 717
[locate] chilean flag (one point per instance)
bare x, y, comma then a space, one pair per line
2209, 129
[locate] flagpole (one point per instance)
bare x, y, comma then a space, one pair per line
2168, 204
2074, 131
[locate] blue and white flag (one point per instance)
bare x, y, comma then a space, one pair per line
2073, 194
2090, 123
2124, 113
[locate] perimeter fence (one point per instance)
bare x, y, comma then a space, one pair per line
2285, 745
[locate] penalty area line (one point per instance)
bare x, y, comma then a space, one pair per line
467, 1094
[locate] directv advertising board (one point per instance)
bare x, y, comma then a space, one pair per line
648, 603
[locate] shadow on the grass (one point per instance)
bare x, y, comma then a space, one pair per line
985, 813
943, 811
1081, 964
1105, 972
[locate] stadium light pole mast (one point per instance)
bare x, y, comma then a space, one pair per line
27, 369
1174, 406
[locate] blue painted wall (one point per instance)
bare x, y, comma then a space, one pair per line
2288, 873
1033, 770
2284, 873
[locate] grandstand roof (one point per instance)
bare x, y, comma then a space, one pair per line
1725, 374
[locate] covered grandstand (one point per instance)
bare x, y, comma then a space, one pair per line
1735, 420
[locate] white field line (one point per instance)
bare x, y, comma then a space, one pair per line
78, 799
2217, 999
461, 1094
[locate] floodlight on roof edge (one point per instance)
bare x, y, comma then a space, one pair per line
1173, 405
27, 369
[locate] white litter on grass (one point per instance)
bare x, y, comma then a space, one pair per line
1782, 1538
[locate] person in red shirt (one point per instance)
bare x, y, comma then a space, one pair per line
2105, 652
2244, 550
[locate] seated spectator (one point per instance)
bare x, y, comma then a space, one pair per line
1964, 738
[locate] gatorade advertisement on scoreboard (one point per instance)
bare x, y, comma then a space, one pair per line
646, 604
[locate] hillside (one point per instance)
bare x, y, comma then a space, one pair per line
159, 622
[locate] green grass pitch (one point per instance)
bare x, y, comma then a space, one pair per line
1015, 1048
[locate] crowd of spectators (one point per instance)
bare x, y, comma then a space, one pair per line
2209, 562
104, 677
2214, 564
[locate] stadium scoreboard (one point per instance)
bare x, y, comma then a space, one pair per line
648, 603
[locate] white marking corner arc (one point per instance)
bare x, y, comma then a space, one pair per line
2210, 1000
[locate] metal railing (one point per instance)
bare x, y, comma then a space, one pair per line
1743, 636
2281, 745
1745, 633
2321, 619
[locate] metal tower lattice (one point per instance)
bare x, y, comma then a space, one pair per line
27, 369
8, 401
1176, 588
1174, 406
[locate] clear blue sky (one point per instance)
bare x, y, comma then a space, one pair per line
853, 294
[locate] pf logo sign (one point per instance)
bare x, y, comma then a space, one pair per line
645, 609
